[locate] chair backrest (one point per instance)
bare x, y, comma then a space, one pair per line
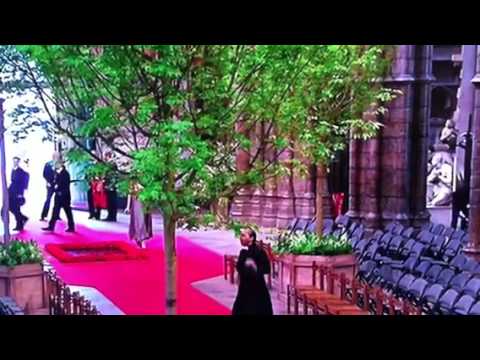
472, 287
396, 242
311, 227
448, 299
301, 224
445, 276
390, 227
432, 274
292, 224
377, 235
458, 261
417, 249
422, 267
408, 232
342, 221
463, 305
425, 237
437, 229
410, 263
458, 234
398, 229
359, 232
448, 232
439, 241
408, 245
475, 309
428, 226
386, 238
458, 281
433, 293
418, 286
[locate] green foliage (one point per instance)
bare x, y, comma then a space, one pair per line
311, 244
170, 113
20, 253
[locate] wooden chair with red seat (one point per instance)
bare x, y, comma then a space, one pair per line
339, 305
313, 297
297, 293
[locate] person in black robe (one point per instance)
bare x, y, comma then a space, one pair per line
16, 197
253, 297
49, 176
460, 198
62, 198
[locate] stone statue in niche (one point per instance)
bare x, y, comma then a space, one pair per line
449, 135
440, 167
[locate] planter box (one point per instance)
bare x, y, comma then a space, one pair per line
345, 264
26, 285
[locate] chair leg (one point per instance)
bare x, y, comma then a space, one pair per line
225, 267
288, 299
295, 299
232, 273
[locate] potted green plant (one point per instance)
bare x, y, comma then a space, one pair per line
299, 251
21, 275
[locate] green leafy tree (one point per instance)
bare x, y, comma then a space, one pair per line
164, 116
338, 96
174, 118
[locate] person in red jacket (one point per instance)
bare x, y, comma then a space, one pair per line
99, 196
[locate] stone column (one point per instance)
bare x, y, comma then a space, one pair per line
369, 179
419, 131
269, 216
396, 140
466, 98
240, 209
354, 172
283, 201
473, 247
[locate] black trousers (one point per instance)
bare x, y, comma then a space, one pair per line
46, 205
15, 209
112, 205
62, 202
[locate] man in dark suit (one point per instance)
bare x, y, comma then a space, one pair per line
62, 198
16, 198
111, 200
49, 176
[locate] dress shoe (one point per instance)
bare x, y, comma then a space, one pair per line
47, 229
17, 228
70, 230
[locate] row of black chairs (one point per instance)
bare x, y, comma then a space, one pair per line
426, 267
338, 227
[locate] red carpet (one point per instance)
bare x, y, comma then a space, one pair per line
137, 286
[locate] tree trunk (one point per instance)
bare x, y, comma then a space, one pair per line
319, 199
3, 170
169, 226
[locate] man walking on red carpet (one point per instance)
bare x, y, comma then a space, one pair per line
62, 198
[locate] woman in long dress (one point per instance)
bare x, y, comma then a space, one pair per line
140, 229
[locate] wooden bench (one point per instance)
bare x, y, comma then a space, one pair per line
334, 294
323, 298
